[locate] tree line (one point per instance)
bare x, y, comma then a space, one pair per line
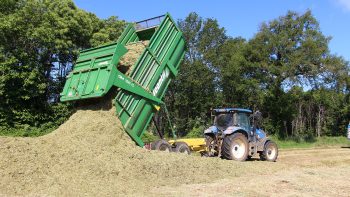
285, 70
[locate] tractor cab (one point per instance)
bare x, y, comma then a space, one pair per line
231, 117
229, 120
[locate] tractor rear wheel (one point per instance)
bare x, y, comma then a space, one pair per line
270, 152
182, 147
161, 145
235, 147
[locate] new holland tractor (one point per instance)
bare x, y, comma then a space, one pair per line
236, 135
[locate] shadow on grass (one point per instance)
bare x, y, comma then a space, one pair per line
253, 159
345, 147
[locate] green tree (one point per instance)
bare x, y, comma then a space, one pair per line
241, 80
39, 42
109, 30
195, 89
292, 50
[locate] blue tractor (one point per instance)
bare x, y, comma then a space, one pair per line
236, 135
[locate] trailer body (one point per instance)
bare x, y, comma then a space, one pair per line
140, 92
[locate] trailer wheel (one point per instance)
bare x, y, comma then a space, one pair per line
182, 147
161, 145
270, 152
235, 147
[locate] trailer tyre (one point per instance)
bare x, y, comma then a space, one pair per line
182, 147
235, 147
270, 152
161, 145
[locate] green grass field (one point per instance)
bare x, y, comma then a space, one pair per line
317, 142
26, 131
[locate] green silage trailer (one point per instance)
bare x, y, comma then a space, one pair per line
140, 92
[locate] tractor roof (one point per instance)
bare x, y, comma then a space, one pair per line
231, 110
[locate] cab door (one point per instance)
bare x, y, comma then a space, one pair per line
243, 121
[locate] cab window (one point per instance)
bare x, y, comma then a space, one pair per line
243, 120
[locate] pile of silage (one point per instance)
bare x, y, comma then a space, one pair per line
135, 50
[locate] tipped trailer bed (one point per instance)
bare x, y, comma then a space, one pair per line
141, 89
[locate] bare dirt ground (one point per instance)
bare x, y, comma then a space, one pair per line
299, 172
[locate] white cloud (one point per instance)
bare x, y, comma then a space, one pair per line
345, 4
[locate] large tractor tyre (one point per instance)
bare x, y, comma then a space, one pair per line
235, 147
161, 145
270, 152
182, 147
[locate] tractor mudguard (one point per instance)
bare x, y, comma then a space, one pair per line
233, 129
212, 129
260, 134
261, 144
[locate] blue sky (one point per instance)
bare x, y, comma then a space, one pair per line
238, 18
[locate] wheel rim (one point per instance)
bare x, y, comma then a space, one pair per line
164, 148
184, 151
238, 148
211, 147
271, 152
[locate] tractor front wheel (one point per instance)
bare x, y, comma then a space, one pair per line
235, 147
270, 152
161, 145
